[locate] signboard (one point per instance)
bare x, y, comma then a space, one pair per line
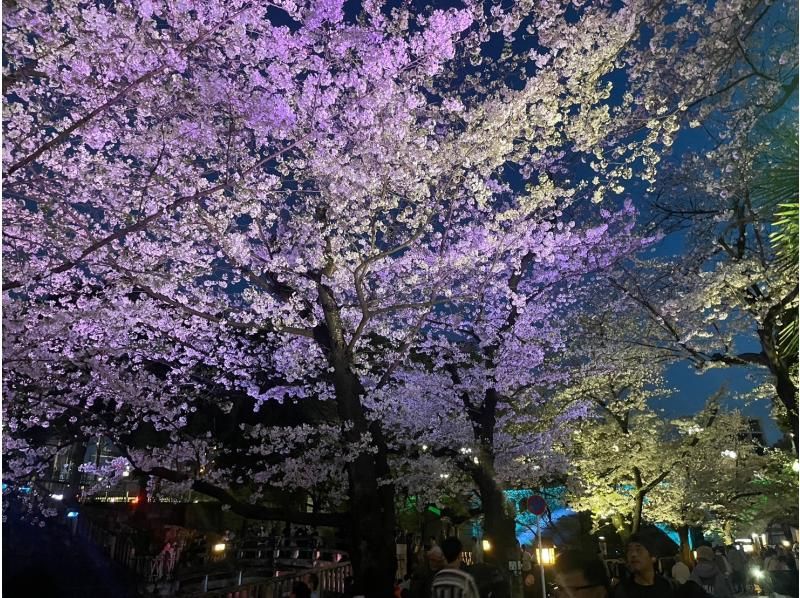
537, 505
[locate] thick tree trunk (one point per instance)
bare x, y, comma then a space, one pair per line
787, 393
499, 525
785, 386
636, 518
372, 549
638, 505
685, 550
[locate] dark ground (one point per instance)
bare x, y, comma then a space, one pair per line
48, 562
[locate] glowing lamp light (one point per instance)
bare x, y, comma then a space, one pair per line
57, 496
219, 547
546, 556
487, 546
126, 473
747, 548
135, 500
786, 543
757, 573
72, 514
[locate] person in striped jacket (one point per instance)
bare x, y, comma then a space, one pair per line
452, 581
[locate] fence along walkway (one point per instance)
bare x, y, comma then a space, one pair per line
331, 583
120, 549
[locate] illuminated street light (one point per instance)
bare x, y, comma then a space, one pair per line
546, 556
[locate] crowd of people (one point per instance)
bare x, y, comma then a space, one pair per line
717, 573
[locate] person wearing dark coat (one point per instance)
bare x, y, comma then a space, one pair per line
708, 576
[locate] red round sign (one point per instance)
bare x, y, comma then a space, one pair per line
537, 505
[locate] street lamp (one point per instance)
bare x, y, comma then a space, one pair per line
546, 556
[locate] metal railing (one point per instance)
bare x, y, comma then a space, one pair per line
120, 549
331, 580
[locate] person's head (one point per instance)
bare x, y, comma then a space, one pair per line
436, 558
451, 547
705, 553
680, 572
581, 575
639, 554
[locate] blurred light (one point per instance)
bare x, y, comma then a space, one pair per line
601, 537
694, 554
72, 514
764, 539
219, 547
57, 496
796, 466
729, 454
25, 489
486, 545
424, 447
546, 556
747, 548
476, 460
5, 486
126, 473
786, 543
135, 500
757, 573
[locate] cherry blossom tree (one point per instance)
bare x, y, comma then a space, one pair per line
725, 484
215, 213
487, 422
730, 290
625, 450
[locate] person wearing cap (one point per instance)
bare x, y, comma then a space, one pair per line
707, 575
640, 557
581, 575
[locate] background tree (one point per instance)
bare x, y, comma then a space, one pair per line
727, 297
